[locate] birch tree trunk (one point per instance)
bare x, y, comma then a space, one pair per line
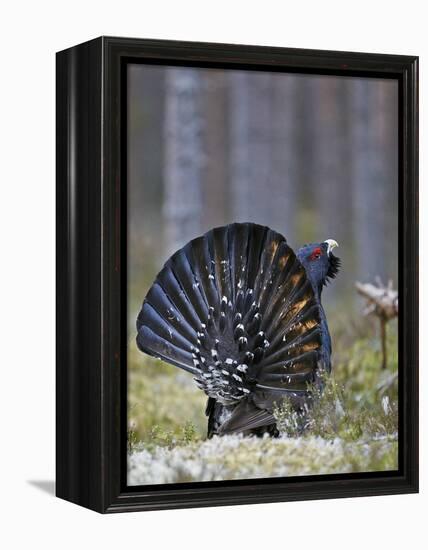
184, 157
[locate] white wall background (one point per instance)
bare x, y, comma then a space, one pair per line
30, 34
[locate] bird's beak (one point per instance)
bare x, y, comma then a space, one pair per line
330, 245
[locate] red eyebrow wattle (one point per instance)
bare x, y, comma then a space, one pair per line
316, 252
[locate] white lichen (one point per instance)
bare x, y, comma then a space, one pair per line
237, 457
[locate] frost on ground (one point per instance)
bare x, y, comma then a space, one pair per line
237, 457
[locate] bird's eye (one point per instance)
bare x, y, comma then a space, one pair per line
316, 254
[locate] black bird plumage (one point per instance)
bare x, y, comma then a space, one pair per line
241, 311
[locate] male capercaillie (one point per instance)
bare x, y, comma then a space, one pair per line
242, 312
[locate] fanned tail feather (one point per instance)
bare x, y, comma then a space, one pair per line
235, 308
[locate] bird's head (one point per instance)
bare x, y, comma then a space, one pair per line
320, 263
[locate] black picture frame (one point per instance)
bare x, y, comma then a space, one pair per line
91, 275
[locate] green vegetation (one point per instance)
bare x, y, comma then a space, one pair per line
163, 402
352, 425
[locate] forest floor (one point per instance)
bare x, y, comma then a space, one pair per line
237, 457
352, 427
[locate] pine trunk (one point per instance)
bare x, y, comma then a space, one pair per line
183, 158
262, 149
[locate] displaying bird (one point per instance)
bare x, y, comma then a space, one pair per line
240, 311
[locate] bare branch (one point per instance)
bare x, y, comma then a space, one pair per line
382, 300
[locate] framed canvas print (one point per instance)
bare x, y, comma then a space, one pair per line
237, 283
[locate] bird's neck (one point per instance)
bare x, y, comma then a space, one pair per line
317, 287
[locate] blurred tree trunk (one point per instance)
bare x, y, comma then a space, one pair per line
330, 168
241, 177
388, 128
374, 175
262, 149
215, 180
184, 157
145, 157
282, 193
331, 156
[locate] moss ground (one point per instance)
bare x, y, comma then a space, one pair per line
352, 427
